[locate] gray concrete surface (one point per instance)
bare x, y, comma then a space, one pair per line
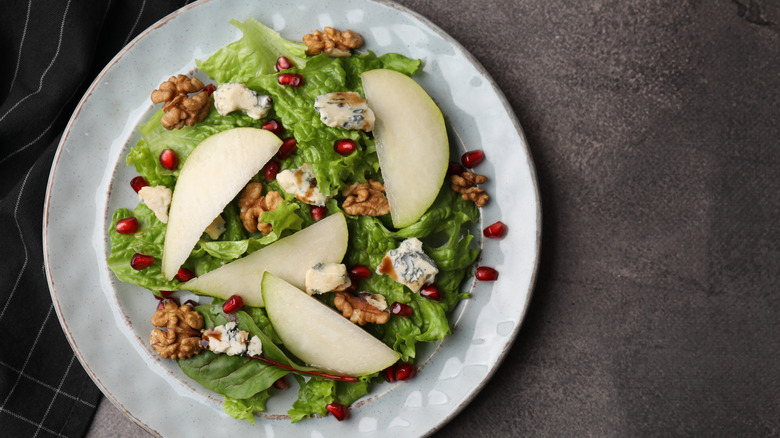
654, 127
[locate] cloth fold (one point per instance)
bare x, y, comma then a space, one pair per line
52, 52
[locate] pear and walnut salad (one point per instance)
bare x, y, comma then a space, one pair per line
306, 193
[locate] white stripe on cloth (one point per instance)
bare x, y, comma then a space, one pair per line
46, 385
24, 246
137, 19
62, 107
27, 420
27, 359
57, 392
43, 75
21, 44
35, 140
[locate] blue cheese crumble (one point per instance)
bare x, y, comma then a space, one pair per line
345, 110
375, 300
327, 277
255, 347
234, 96
301, 183
216, 228
158, 199
229, 339
409, 265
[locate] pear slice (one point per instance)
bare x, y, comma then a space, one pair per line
215, 171
411, 142
320, 336
288, 258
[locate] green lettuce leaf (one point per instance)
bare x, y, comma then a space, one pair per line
234, 228
357, 64
348, 392
433, 316
283, 219
400, 63
225, 250
244, 409
147, 241
237, 377
402, 334
315, 394
260, 319
254, 54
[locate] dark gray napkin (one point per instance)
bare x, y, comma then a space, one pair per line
52, 51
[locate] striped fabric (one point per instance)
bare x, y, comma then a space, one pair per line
51, 53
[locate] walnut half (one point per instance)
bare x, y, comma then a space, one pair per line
366, 307
179, 108
252, 204
182, 336
366, 199
332, 42
466, 185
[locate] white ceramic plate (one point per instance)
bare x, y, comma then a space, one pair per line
107, 322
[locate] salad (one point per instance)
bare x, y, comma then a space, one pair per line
320, 173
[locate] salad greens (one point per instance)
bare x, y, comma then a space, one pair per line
246, 383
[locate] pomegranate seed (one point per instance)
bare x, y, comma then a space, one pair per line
128, 225
317, 212
351, 288
338, 410
185, 275
484, 273
472, 158
359, 272
404, 371
289, 146
164, 294
281, 383
455, 168
140, 261
389, 373
191, 303
210, 88
495, 231
401, 309
233, 303
290, 79
271, 169
274, 126
431, 291
282, 63
345, 146
162, 303
169, 159
138, 183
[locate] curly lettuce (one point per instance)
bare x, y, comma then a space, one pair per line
254, 54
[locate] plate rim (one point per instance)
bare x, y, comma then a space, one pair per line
506, 106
